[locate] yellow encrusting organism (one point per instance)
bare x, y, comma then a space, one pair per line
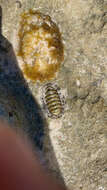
40, 46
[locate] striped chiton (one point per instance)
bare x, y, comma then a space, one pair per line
40, 46
54, 103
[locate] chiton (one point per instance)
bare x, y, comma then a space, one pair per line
53, 101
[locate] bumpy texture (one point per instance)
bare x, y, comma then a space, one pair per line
76, 143
40, 46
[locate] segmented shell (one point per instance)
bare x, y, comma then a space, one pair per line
53, 101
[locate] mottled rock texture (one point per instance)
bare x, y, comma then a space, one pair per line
75, 144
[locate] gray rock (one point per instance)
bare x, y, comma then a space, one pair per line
74, 146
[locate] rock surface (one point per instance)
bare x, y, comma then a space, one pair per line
75, 145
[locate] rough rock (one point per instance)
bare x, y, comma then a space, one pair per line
74, 146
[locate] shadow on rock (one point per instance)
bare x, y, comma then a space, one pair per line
15, 92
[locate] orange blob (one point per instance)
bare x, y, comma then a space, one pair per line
40, 46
